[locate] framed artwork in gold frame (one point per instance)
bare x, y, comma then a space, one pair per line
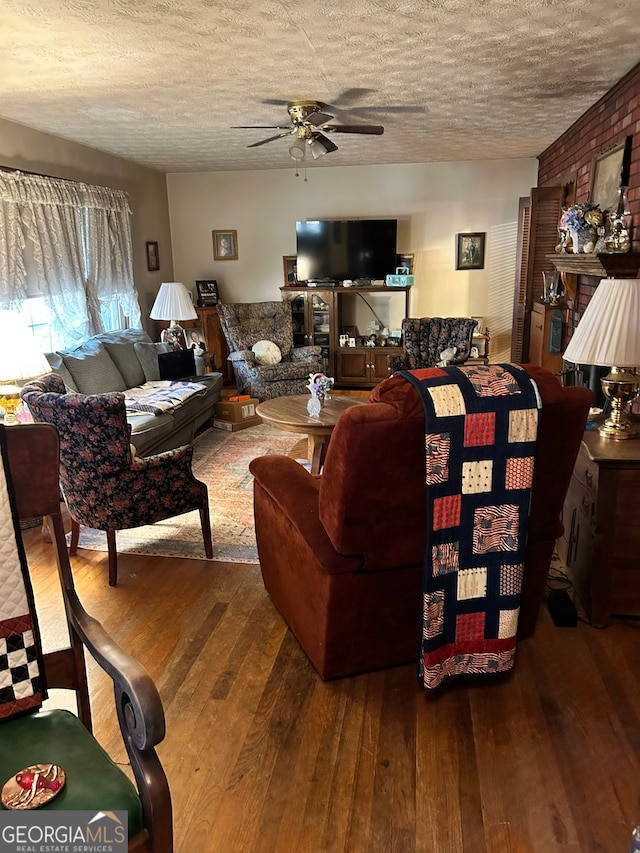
609, 171
225, 245
290, 268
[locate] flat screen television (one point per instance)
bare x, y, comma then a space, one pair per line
346, 248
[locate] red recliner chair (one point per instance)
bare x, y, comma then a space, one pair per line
342, 554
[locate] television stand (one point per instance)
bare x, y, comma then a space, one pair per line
323, 313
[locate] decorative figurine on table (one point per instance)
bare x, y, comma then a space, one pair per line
319, 387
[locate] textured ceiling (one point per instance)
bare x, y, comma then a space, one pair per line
162, 82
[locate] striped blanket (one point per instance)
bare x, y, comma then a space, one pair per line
481, 427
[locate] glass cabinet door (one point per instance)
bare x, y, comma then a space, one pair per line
320, 321
298, 304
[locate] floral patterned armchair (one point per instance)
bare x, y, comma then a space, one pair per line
104, 485
246, 323
423, 339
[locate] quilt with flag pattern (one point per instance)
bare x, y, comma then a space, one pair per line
481, 424
21, 683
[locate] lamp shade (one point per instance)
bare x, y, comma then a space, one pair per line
320, 145
608, 333
20, 358
173, 303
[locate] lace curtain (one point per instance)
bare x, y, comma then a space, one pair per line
81, 240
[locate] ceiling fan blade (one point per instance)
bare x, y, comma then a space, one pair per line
259, 127
372, 129
327, 143
270, 139
348, 96
390, 109
317, 119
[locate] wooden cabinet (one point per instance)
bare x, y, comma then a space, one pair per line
547, 335
362, 366
313, 315
217, 349
216, 341
601, 541
321, 315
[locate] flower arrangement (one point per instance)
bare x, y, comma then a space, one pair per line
579, 216
320, 385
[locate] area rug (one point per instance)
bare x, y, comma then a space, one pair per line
221, 460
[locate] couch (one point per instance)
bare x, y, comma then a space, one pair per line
349, 581
127, 361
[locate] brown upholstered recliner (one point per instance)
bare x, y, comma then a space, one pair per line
342, 554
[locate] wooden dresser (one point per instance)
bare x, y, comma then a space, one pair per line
601, 515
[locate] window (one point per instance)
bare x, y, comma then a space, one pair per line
66, 262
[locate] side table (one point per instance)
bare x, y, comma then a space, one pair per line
290, 414
601, 541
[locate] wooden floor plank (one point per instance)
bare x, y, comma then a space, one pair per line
263, 757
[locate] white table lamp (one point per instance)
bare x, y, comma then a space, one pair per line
173, 303
608, 335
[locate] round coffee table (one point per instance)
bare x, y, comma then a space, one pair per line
290, 414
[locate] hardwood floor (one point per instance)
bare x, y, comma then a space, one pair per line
263, 757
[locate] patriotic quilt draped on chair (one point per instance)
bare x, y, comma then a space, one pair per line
22, 687
481, 427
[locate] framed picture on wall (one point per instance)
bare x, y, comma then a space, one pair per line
225, 245
406, 262
153, 257
609, 171
470, 250
290, 265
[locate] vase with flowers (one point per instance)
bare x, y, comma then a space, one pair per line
581, 221
319, 387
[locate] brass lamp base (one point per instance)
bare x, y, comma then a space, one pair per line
620, 387
9, 400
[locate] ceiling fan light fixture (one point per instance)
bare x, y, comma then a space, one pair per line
317, 148
297, 150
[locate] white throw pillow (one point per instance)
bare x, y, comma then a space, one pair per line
266, 352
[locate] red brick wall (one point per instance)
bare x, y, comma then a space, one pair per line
615, 116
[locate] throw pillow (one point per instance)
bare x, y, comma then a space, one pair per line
266, 352
57, 365
148, 358
124, 358
93, 370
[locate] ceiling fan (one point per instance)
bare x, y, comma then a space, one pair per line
309, 125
